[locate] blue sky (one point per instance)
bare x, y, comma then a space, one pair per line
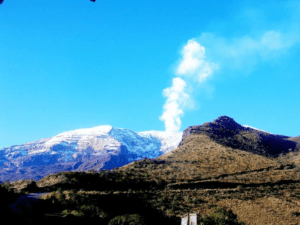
147, 65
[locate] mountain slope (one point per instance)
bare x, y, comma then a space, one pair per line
226, 164
225, 131
224, 147
94, 148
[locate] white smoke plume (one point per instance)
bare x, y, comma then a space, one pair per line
233, 54
192, 65
245, 52
239, 53
176, 98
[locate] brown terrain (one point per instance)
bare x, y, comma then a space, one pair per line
254, 175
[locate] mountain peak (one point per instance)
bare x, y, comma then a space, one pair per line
227, 122
88, 131
223, 118
223, 125
224, 130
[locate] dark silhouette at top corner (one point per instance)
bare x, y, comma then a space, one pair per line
90, 0
1, 1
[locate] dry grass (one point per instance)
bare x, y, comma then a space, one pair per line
201, 160
258, 189
266, 210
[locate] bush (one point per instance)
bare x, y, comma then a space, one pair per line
60, 196
220, 217
72, 191
239, 187
77, 213
65, 212
73, 195
6, 185
104, 215
128, 219
91, 211
75, 180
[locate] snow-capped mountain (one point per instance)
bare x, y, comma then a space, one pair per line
97, 148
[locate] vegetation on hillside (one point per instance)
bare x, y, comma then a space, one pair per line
223, 185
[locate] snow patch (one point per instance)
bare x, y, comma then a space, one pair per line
256, 128
169, 140
79, 134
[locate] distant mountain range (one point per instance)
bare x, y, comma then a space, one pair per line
107, 147
96, 148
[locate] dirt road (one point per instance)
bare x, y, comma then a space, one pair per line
24, 202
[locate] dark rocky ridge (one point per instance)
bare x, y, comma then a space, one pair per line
224, 130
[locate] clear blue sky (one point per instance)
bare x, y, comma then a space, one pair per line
75, 64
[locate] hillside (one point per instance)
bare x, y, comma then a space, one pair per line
217, 164
235, 166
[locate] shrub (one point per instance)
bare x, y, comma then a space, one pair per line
75, 180
239, 187
73, 195
104, 215
128, 219
91, 211
72, 191
65, 212
78, 213
220, 217
60, 196
6, 185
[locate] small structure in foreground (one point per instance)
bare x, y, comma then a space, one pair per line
189, 219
